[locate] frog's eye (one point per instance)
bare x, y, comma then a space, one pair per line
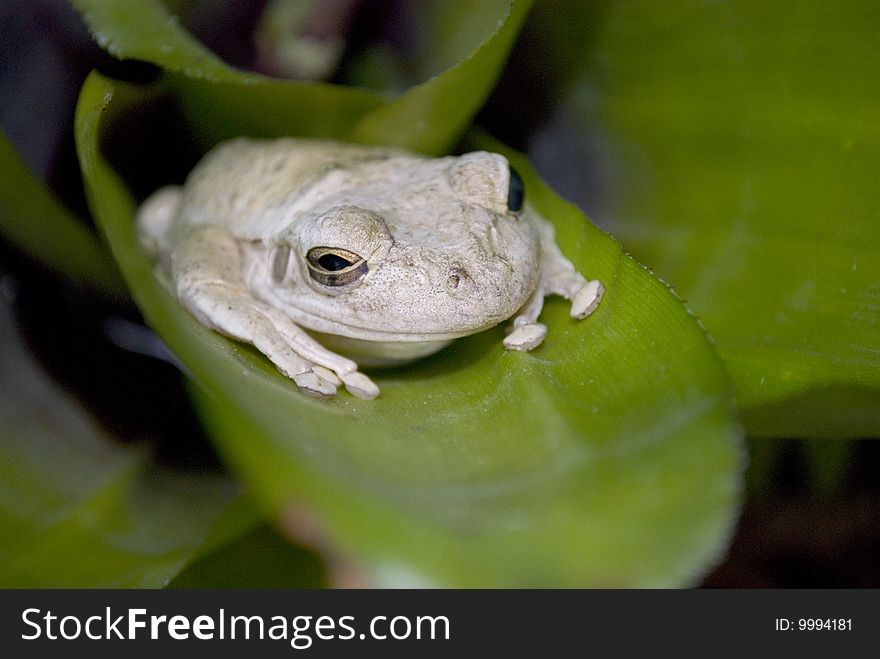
516, 191
334, 266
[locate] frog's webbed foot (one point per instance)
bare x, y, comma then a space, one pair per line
526, 333
314, 369
558, 277
586, 298
329, 368
209, 285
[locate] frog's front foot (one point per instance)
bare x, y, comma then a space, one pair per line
316, 370
586, 299
525, 335
223, 305
323, 383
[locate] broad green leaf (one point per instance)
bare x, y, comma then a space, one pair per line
610, 456
35, 222
220, 101
78, 510
746, 144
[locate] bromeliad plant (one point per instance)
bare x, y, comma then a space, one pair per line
613, 456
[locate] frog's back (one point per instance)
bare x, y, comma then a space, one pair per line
247, 185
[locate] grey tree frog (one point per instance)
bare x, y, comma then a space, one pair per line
326, 255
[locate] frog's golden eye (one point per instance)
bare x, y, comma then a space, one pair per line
516, 191
334, 266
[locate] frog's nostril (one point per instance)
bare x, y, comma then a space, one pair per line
455, 279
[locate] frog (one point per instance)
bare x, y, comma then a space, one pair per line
329, 257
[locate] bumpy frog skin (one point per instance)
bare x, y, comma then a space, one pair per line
301, 247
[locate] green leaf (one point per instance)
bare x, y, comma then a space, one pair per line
429, 117
220, 101
745, 141
35, 222
610, 456
146, 30
259, 558
78, 510
445, 32
222, 110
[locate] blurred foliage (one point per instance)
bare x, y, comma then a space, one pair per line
256, 558
740, 145
32, 219
78, 510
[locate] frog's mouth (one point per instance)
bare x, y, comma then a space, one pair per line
371, 353
404, 335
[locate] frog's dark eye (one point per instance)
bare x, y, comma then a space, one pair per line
334, 266
516, 191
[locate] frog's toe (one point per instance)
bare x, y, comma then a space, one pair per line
327, 374
314, 385
360, 386
587, 299
526, 337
